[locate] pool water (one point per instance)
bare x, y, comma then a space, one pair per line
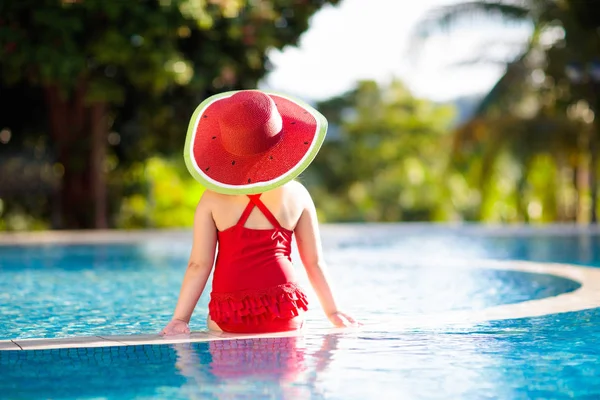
380, 274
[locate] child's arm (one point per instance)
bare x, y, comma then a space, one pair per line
200, 264
309, 247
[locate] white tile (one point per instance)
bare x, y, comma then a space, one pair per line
8, 345
63, 343
157, 339
233, 336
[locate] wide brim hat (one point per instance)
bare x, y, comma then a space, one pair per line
251, 141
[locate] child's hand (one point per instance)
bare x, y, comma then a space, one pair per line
340, 319
175, 327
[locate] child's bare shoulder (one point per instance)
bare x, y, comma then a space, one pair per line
297, 192
208, 198
295, 188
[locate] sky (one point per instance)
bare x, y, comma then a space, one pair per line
369, 39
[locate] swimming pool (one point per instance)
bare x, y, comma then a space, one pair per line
385, 275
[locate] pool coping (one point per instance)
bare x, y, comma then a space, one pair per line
339, 229
587, 296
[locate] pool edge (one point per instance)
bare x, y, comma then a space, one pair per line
112, 236
587, 296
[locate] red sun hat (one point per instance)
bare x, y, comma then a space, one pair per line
250, 141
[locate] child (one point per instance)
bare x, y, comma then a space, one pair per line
246, 147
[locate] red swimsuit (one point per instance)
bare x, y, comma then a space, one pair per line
254, 287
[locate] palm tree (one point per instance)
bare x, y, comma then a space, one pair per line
559, 86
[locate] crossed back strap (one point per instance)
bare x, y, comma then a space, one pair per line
255, 201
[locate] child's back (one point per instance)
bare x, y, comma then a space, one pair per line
286, 203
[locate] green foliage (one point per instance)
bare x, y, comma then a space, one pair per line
147, 44
538, 121
388, 160
148, 63
16, 218
169, 199
528, 154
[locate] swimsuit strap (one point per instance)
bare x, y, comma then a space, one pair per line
255, 201
261, 206
245, 214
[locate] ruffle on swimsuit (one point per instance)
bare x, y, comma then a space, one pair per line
254, 307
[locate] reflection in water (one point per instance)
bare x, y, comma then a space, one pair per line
285, 367
547, 357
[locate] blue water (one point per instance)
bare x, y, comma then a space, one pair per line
58, 291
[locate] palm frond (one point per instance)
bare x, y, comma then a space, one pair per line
487, 52
478, 60
447, 17
514, 77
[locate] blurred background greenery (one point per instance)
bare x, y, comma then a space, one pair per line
95, 97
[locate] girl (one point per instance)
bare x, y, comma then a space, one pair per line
246, 148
